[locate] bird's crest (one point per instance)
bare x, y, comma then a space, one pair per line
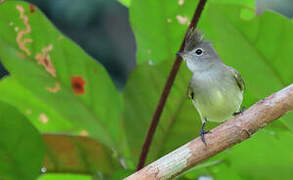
192, 39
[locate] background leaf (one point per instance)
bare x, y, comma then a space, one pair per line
125, 2
271, 156
58, 73
21, 146
64, 176
34, 108
159, 27
77, 154
245, 3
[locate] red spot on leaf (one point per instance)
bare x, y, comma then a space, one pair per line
32, 8
77, 84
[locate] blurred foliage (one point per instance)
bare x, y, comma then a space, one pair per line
64, 176
244, 3
100, 27
159, 44
58, 88
125, 2
284, 7
54, 98
52, 83
76, 154
21, 146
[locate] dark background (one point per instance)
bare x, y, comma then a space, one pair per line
102, 29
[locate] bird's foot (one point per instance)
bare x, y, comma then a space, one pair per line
203, 132
239, 112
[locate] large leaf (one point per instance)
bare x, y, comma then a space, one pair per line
246, 3
40, 114
267, 155
62, 77
125, 2
159, 26
77, 154
219, 170
64, 176
21, 146
65, 154
257, 56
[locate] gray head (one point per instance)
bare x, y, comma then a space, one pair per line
198, 53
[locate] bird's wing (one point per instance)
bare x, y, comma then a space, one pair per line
190, 93
238, 78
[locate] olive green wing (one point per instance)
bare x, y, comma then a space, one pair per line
190, 93
238, 78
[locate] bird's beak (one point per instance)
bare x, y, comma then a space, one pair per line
182, 54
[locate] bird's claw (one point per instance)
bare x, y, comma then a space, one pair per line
202, 133
239, 112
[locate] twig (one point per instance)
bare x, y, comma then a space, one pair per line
222, 137
166, 91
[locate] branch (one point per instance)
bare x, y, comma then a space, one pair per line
166, 91
222, 137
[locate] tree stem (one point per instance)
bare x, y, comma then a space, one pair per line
222, 137
166, 91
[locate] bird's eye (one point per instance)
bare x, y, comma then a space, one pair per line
198, 51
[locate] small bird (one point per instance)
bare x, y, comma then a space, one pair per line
216, 90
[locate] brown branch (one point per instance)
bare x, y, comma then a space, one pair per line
166, 91
222, 137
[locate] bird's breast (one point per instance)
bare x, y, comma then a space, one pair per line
217, 97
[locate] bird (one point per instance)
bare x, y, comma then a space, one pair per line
215, 89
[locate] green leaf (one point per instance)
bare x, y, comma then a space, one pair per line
21, 146
220, 171
77, 154
121, 174
246, 3
64, 176
58, 73
40, 114
125, 2
267, 155
159, 27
